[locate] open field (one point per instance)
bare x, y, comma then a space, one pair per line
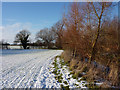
25, 70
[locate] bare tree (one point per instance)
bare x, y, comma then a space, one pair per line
58, 29
46, 36
4, 44
99, 11
23, 38
73, 29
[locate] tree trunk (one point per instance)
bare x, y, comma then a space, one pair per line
24, 45
74, 53
95, 43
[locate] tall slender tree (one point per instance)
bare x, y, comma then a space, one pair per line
99, 11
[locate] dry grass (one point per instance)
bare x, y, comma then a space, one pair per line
113, 75
105, 85
92, 73
66, 55
74, 64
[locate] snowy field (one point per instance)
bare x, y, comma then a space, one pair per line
28, 68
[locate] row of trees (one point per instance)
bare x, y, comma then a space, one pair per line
86, 27
89, 31
47, 37
4, 45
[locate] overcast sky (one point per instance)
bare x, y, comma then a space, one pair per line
32, 16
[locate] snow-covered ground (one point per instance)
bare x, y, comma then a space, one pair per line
36, 69
29, 70
14, 47
20, 51
67, 79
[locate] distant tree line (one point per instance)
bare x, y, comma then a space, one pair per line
47, 37
4, 45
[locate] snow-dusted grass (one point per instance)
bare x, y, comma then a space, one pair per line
29, 70
63, 76
66, 79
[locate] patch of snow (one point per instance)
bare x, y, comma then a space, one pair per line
67, 77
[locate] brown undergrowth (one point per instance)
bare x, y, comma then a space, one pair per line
92, 73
